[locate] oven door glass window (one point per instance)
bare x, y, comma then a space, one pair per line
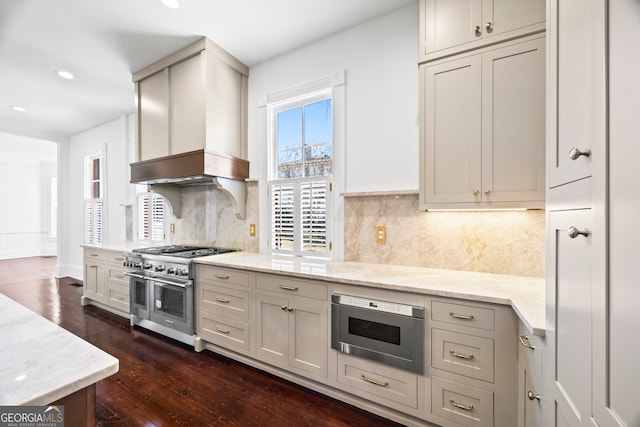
140, 293
170, 300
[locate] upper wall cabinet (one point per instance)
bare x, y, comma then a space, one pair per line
482, 128
195, 98
448, 27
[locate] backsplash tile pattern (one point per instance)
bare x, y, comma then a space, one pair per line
502, 242
208, 218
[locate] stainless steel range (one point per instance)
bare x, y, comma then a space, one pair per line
161, 282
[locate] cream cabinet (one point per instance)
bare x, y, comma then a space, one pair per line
451, 26
193, 99
94, 275
223, 308
105, 284
530, 379
482, 129
474, 364
292, 324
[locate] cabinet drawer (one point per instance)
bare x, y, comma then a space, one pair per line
383, 384
462, 354
118, 296
224, 300
94, 255
116, 275
292, 286
222, 275
463, 405
464, 315
227, 333
115, 258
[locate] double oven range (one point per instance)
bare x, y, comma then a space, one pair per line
161, 280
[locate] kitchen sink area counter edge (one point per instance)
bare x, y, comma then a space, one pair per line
524, 294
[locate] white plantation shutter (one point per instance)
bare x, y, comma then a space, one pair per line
93, 221
299, 216
150, 217
282, 216
313, 216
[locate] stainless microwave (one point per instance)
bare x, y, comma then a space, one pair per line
383, 331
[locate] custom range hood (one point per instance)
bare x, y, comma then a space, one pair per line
167, 175
191, 124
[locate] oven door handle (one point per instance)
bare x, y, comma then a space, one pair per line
137, 276
168, 282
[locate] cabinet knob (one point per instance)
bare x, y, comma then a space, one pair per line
489, 26
476, 193
487, 192
290, 308
476, 29
573, 232
284, 308
533, 396
574, 153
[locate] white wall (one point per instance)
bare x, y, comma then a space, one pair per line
113, 137
380, 61
26, 168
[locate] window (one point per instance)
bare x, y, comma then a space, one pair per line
151, 209
94, 199
300, 185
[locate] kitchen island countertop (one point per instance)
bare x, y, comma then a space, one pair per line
524, 294
42, 362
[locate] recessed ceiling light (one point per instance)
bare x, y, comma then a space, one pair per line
17, 108
65, 74
171, 4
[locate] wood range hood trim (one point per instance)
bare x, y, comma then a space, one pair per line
168, 175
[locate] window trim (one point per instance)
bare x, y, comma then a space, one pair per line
98, 202
336, 84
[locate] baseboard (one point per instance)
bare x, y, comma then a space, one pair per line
72, 271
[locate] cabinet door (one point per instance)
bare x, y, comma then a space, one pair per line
569, 321
503, 16
153, 116
272, 329
187, 124
308, 337
513, 125
94, 280
575, 109
450, 23
451, 131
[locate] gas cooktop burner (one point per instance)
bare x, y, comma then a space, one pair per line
183, 251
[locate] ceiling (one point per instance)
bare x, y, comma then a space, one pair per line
103, 41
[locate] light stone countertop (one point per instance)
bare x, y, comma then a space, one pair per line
41, 362
524, 294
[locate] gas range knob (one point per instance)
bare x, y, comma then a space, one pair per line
147, 266
159, 268
137, 265
182, 272
171, 270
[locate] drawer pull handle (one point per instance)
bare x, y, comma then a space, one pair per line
524, 340
288, 288
532, 396
222, 276
461, 356
468, 407
372, 381
120, 276
93, 254
461, 316
120, 298
222, 330
119, 259
222, 300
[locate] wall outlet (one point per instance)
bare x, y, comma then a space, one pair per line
252, 230
172, 228
381, 235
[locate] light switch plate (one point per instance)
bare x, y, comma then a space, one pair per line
252, 230
381, 235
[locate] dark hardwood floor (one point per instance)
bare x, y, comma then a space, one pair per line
162, 382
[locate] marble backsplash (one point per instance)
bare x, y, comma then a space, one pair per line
208, 219
502, 242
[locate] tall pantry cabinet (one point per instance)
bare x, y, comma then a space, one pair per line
593, 133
